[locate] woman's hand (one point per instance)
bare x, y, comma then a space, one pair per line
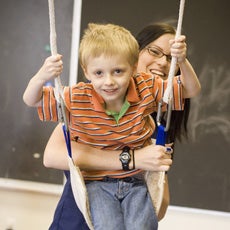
179, 48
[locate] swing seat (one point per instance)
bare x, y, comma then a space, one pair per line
80, 192
157, 183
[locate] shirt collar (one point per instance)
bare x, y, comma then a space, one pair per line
132, 94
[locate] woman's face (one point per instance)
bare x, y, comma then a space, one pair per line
149, 60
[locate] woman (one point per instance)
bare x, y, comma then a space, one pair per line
154, 58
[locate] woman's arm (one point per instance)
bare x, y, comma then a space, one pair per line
189, 78
152, 157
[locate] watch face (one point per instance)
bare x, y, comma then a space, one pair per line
125, 156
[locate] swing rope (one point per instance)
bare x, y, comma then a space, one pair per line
169, 90
53, 43
168, 94
57, 81
161, 207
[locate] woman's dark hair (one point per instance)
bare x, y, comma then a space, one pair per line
179, 119
152, 32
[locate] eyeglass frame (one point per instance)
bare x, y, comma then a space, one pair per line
161, 53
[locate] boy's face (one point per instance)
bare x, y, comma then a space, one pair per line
110, 77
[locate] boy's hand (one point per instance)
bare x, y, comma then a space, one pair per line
179, 48
51, 68
154, 158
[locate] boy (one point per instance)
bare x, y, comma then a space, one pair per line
111, 112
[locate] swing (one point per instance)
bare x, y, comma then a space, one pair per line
156, 181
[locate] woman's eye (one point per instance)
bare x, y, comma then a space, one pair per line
155, 52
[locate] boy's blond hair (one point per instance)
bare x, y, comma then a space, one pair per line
109, 40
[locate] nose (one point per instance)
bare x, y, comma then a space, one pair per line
162, 61
109, 79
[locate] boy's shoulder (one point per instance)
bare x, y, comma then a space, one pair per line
81, 86
79, 90
144, 78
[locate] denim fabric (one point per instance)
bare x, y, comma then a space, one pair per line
121, 204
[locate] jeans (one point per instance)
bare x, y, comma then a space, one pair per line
121, 204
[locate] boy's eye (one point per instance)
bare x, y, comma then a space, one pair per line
117, 71
98, 72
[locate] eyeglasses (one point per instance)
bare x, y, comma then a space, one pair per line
156, 52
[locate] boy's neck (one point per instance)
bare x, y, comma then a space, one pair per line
114, 107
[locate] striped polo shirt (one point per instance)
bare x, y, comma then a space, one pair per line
90, 124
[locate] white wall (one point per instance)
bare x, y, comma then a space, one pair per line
178, 218
29, 205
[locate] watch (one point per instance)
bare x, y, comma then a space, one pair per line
125, 158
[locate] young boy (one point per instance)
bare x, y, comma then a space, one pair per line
111, 112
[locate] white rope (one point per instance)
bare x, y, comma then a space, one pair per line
169, 90
53, 43
53, 47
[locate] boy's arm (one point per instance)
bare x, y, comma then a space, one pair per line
33, 93
191, 84
51, 68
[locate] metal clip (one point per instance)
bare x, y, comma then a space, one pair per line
159, 114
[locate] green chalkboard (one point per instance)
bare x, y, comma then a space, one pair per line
24, 43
